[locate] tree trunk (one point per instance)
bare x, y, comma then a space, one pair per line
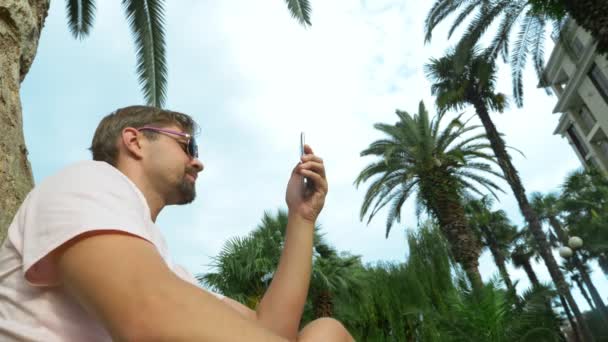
531, 274
597, 298
20, 26
603, 262
323, 305
448, 209
510, 173
499, 258
592, 15
575, 332
584, 292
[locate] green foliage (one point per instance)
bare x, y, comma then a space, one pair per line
553, 9
532, 17
461, 80
584, 201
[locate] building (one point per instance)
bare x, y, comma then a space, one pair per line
579, 78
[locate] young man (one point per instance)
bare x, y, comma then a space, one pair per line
84, 260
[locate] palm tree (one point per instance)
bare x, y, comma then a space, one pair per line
521, 256
548, 208
245, 266
333, 275
441, 165
473, 82
530, 22
496, 233
24, 21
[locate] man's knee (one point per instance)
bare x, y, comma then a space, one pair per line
325, 329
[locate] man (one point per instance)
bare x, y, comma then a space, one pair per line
84, 260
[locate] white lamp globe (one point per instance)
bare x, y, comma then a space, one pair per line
575, 242
565, 252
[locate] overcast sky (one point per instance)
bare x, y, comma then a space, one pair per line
254, 78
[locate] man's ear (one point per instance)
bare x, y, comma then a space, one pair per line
131, 142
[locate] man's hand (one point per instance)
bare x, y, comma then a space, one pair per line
302, 201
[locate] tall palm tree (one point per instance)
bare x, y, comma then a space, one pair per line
22, 22
530, 22
548, 208
441, 165
495, 232
473, 82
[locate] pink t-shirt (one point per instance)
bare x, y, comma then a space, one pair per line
84, 197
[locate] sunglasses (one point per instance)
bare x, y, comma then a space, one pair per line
191, 146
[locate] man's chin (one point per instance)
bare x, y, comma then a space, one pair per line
187, 193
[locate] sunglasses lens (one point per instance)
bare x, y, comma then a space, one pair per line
193, 148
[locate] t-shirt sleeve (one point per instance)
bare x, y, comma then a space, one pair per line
75, 202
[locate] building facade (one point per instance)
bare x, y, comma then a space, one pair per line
579, 78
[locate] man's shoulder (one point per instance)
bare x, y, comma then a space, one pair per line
84, 174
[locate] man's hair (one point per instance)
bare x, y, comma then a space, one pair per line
104, 146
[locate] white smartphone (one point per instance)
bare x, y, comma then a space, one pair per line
305, 181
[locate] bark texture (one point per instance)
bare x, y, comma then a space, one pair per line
20, 25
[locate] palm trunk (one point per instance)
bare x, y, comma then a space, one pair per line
499, 258
323, 305
453, 223
531, 274
597, 299
510, 173
575, 332
603, 262
584, 292
592, 15
20, 26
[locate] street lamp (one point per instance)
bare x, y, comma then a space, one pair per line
565, 252
574, 242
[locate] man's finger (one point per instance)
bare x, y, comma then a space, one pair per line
314, 166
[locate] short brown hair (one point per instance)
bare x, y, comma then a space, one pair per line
104, 145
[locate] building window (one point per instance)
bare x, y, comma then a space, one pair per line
587, 119
603, 147
576, 140
577, 48
600, 81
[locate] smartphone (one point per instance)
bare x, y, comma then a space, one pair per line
305, 181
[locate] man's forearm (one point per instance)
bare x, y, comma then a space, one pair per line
281, 307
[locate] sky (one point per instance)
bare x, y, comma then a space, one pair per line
253, 78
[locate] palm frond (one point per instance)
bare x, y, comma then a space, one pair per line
81, 15
300, 10
146, 19
519, 56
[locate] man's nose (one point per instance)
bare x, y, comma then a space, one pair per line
197, 164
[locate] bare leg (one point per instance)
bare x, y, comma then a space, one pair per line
324, 329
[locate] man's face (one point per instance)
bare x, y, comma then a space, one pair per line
171, 169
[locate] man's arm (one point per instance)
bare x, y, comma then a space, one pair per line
123, 281
283, 303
